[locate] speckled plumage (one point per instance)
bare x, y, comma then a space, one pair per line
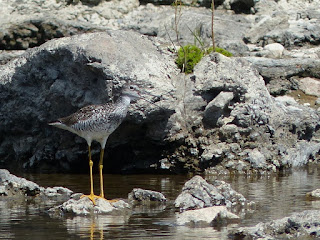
97, 122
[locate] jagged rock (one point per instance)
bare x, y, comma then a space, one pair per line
198, 193
209, 216
141, 195
16, 187
302, 225
65, 83
84, 206
12, 185
215, 109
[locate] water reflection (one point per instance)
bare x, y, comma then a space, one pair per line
94, 226
276, 197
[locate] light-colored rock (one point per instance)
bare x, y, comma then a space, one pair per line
286, 100
12, 185
315, 194
205, 217
310, 86
275, 50
84, 206
257, 159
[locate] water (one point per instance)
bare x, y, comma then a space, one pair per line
276, 197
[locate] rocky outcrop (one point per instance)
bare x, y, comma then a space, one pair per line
222, 115
202, 204
302, 225
18, 188
197, 193
231, 108
102, 74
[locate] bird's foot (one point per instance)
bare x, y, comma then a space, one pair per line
92, 197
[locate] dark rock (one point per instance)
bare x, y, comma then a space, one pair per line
39, 145
215, 109
302, 225
141, 195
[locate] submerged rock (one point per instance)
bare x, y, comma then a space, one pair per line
141, 195
302, 225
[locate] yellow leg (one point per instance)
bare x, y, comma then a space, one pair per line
91, 196
101, 176
100, 170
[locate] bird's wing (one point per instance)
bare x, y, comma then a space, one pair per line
87, 114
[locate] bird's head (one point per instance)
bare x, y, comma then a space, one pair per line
132, 91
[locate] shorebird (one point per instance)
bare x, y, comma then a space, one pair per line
97, 122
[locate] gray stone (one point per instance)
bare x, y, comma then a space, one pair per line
205, 217
12, 185
141, 195
257, 159
107, 72
275, 50
84, 206
302, 225
197, 193
310, 86
55, 191
215, 109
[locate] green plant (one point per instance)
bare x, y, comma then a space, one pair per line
188, 57
219, 50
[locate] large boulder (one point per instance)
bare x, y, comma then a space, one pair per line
64, 75
220, 115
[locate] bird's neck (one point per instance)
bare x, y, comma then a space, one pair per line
123, 101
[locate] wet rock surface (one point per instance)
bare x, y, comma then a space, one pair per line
197, 193
142, 195
84, 206
302, 225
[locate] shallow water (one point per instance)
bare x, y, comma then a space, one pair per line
276, 197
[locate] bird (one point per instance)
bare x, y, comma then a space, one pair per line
97, 122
